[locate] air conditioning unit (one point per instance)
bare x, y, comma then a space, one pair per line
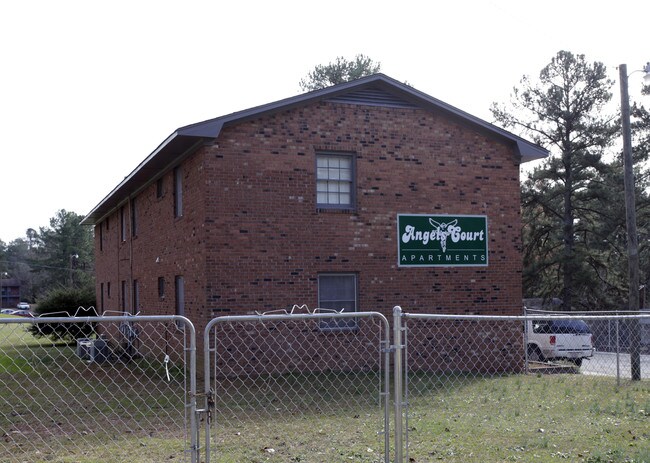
93, 350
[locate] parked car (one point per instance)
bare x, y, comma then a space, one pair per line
23, 306
23, 313
559, 340
17, 313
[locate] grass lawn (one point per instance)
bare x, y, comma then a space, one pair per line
524, 418
532, 418
55, 407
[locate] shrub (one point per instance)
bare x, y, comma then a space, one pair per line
66, 302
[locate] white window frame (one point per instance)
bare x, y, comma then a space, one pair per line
335, 183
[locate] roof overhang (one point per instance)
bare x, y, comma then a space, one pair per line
169, 153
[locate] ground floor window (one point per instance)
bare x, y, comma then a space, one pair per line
161, 287
136, 297
123, 296
179, 287
338, 291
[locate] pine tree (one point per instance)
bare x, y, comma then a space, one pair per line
564, 112
341, 70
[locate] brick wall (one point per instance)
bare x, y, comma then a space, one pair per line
252, 238
268, 241
165, 246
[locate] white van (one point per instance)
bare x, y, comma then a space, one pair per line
559, 339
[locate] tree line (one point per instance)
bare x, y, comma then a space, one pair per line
54, 257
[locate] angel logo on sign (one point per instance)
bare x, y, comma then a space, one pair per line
428, 241
443, 230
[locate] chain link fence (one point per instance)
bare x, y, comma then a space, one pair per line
494, 389
319, 386
299, 387
612, 332
109, 389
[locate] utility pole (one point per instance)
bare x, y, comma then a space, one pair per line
2, 299
630, 219
73, 266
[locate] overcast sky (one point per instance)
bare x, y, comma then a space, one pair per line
89, 88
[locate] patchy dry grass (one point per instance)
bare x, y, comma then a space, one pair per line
56, 407
454, 419
130, 413
531, 418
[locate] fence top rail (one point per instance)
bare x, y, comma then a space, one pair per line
520, 318
293, 316
643, 312
261, 318
191, 331
98, 319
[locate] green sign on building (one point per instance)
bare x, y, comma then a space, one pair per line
442, 240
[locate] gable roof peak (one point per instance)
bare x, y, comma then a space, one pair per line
373, 90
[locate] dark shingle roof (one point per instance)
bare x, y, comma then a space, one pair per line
376, 90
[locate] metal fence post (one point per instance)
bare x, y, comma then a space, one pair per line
194, 423
618, 354
207, 357
398, 378
526, 359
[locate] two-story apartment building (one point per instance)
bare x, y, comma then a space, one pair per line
9, 292
361, 196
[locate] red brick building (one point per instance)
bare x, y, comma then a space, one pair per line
9, 292
297, 202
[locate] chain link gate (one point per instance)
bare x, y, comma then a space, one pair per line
323, 369
436, 352
107, 388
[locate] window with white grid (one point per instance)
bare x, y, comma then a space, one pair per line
335, 180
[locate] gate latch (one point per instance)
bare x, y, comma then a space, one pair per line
210, 406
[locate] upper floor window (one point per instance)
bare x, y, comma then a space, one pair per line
178, 192
122, 224
134, 219
159, 188
335, 180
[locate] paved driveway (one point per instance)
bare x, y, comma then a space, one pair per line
604, 364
